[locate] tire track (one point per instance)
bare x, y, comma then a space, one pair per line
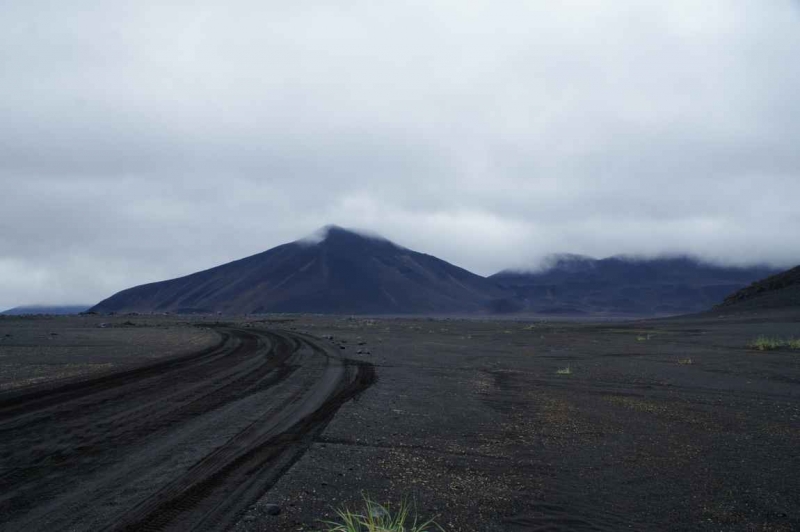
96, 455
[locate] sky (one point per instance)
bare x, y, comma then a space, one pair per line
144, 140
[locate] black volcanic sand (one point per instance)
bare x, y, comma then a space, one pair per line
659, 425
37, 349
174, 444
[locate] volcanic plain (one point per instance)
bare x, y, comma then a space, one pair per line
523, 424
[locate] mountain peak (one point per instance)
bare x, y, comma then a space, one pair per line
335, 270
332, 233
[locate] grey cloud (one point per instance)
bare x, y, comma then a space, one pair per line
144, 140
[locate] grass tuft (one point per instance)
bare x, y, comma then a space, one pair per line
564, 371
685, 361
375, 517
767, 343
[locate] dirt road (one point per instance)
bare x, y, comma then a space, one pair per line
186, 443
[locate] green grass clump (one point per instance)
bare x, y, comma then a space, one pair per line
766, 343
685, 361
564, 371
376, 517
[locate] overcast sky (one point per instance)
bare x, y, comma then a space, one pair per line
145, 140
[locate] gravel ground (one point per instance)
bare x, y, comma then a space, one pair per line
34, 350
659, 425
526, 424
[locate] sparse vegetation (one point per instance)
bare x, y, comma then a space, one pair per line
643, 338
565, 371
767, 343
376, 517
685, 361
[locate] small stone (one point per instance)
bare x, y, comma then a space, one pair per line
272, 509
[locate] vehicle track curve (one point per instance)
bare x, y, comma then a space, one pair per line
183, 444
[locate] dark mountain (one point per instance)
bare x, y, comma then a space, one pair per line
338, 271
776, 291
573, 284
45, 309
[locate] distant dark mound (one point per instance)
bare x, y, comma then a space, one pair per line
776, 291
623, 285
45, 309
336, 271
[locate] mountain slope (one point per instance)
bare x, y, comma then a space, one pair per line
780, 290
572, 284
338, 271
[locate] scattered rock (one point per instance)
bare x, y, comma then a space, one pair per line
272, 509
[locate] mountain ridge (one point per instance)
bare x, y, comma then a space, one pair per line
344, 271
775, 291
56, 310
336, 270
576, 284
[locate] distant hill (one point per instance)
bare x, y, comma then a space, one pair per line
776, 291
336, 271
574, 284
45, 309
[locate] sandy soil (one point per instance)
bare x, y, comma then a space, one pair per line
659, 425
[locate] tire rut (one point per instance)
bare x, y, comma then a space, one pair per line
88, 430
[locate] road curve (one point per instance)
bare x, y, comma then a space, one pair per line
183, 444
